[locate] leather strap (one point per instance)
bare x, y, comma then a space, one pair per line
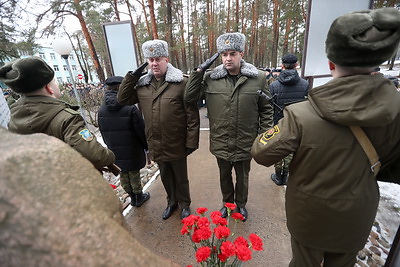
368, 148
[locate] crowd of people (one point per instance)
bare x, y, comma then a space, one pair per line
311, 133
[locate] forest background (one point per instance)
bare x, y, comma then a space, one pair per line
272, 27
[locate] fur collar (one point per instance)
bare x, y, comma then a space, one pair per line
173, 75
246, 69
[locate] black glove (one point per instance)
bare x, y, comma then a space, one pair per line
206, 64
139, 71
190, 150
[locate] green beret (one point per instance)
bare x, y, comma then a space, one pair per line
363, 38
26, 75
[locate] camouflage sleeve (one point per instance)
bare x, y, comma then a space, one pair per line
73, 131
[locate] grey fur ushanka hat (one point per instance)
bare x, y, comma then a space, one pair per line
363, 38
155, 48
231, 42
26, 75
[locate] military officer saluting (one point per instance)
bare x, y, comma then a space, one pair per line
39, 111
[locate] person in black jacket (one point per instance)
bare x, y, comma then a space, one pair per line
288, 88
122, 129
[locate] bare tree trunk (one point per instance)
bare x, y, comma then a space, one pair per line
237, 16
286, 36
115, 6
275, 39
89, 41
196, 45
228, 26
168, 33
153, 19
145, 17
184, 67
134, 33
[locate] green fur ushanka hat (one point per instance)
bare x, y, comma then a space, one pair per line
231, 42
155, 48
363, 38
26, 75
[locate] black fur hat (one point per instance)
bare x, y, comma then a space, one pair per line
26, 75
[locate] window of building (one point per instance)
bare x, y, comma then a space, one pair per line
42, 55
71, 56
65, 67
55, 67
59, 80
73, 67
52, 56
68, 79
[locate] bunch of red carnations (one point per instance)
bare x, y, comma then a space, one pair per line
212, 246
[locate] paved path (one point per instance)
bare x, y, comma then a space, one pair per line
265, 207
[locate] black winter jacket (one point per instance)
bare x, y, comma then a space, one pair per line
287, 89
122, 129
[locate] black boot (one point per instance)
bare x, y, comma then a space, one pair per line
141, 198
133, 199
285, 176
277, 177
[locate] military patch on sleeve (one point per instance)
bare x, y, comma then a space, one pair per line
268, 135
86, 135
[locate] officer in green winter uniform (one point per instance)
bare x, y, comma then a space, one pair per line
172, 127
39, 111
332, 195
237, 113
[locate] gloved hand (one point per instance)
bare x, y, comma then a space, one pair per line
206, 64
139, 71
190, 150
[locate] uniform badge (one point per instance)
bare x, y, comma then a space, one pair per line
269, 134
86, 135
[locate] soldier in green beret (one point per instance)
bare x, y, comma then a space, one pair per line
332, 195
39, 111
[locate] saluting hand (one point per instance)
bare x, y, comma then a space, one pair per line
139, 71
206, 64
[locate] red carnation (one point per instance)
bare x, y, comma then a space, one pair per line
227, 248
203, 254
201, 210
243, 252
203, 233
230, 206
222, 257
222, 232
184, 230
113, 186
190, 220
203, 222
256, 242
241, 241
237, 216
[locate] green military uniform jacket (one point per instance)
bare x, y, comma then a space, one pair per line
171, 125
237, 113
43, 114
332, 196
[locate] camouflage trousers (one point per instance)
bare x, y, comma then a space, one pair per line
284, 163
131, 182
